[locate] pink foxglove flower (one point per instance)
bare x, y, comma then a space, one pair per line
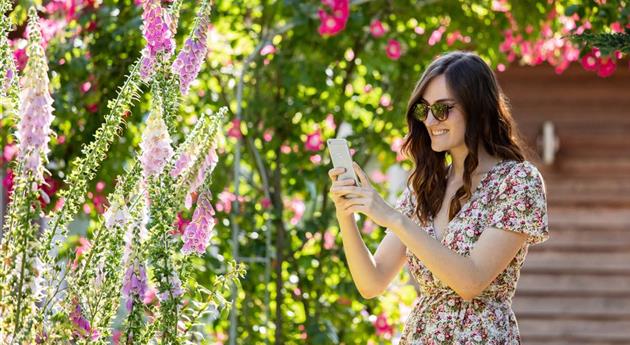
156, 31
116, 215
34, 131
134, 283
8, 78
207, 166
183, 162
190, 58
156, 143
199, 231
82, 328
175, 288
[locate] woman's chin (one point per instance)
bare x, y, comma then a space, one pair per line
439, 147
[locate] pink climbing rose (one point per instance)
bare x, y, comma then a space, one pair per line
393, 49
333, 21
376, 28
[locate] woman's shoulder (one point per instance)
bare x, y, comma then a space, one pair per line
524, 172
521, 169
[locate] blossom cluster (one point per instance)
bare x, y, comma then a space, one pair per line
189, 60
333, 22
116, 267
156, 142
206, 168
175, 288
34, 131
605, 66
157, 32
135, 283
198, 232
82, 327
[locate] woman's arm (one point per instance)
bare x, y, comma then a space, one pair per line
468, 276
371, 273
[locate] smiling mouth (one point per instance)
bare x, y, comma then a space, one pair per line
438, 132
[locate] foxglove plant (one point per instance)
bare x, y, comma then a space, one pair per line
44, 298
168, 267
21, 272
34, 131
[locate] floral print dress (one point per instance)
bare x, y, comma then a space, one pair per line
511, 196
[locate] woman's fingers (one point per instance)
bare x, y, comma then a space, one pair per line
354, 202
348, 185
334, 172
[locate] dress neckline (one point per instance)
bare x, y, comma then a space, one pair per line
473, 196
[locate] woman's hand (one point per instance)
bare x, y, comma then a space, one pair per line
365, 199
337, 194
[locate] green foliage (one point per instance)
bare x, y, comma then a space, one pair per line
606, 43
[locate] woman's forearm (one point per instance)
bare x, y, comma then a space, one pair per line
456, 271
360, 260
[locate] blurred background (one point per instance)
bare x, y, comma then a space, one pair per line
294, 73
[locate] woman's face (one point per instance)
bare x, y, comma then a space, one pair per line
445, 135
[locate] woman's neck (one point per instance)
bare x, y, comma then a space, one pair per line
486, 162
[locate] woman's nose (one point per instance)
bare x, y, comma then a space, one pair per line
430, 120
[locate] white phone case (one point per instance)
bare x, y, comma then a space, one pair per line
340, 156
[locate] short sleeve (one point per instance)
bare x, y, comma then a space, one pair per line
404, 204
520, 204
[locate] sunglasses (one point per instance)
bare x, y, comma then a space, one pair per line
439, 110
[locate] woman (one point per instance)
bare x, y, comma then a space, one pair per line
471, 208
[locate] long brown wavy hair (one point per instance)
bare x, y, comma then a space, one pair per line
489, 123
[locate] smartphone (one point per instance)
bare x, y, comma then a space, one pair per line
340, 156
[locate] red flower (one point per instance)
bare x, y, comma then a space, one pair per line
314, 141
376, 28
393, 49
235, 130
7, 183
333, 23
9, 152
92, 108
607, 67
382, 326
265, 202
180, 224
590, 62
